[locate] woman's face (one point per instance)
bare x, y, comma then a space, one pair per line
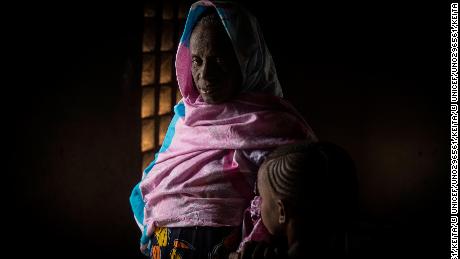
215, 69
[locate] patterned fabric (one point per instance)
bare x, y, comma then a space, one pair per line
176, 243
205, 171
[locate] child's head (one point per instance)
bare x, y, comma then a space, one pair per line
310, 185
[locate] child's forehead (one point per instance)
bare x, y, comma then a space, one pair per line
262, 169
262, 173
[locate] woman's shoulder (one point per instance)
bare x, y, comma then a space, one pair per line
179, 109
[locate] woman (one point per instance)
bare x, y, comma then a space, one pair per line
195, 191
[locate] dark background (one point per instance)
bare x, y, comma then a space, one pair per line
373, 78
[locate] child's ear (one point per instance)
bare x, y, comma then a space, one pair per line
281, 212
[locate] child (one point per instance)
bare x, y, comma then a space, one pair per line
308, 197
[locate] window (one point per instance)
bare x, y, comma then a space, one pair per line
163, 25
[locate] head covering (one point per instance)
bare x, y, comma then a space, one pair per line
257, 66
207, 165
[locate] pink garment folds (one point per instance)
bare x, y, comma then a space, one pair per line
205, 172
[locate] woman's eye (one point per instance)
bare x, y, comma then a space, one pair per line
196, 61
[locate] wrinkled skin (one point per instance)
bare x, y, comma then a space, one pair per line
215, 69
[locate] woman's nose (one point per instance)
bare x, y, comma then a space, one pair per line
208, 72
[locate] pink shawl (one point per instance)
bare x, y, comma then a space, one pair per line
205, 171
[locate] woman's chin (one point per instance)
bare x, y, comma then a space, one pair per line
210, 99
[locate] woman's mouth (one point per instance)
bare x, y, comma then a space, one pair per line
208, 90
